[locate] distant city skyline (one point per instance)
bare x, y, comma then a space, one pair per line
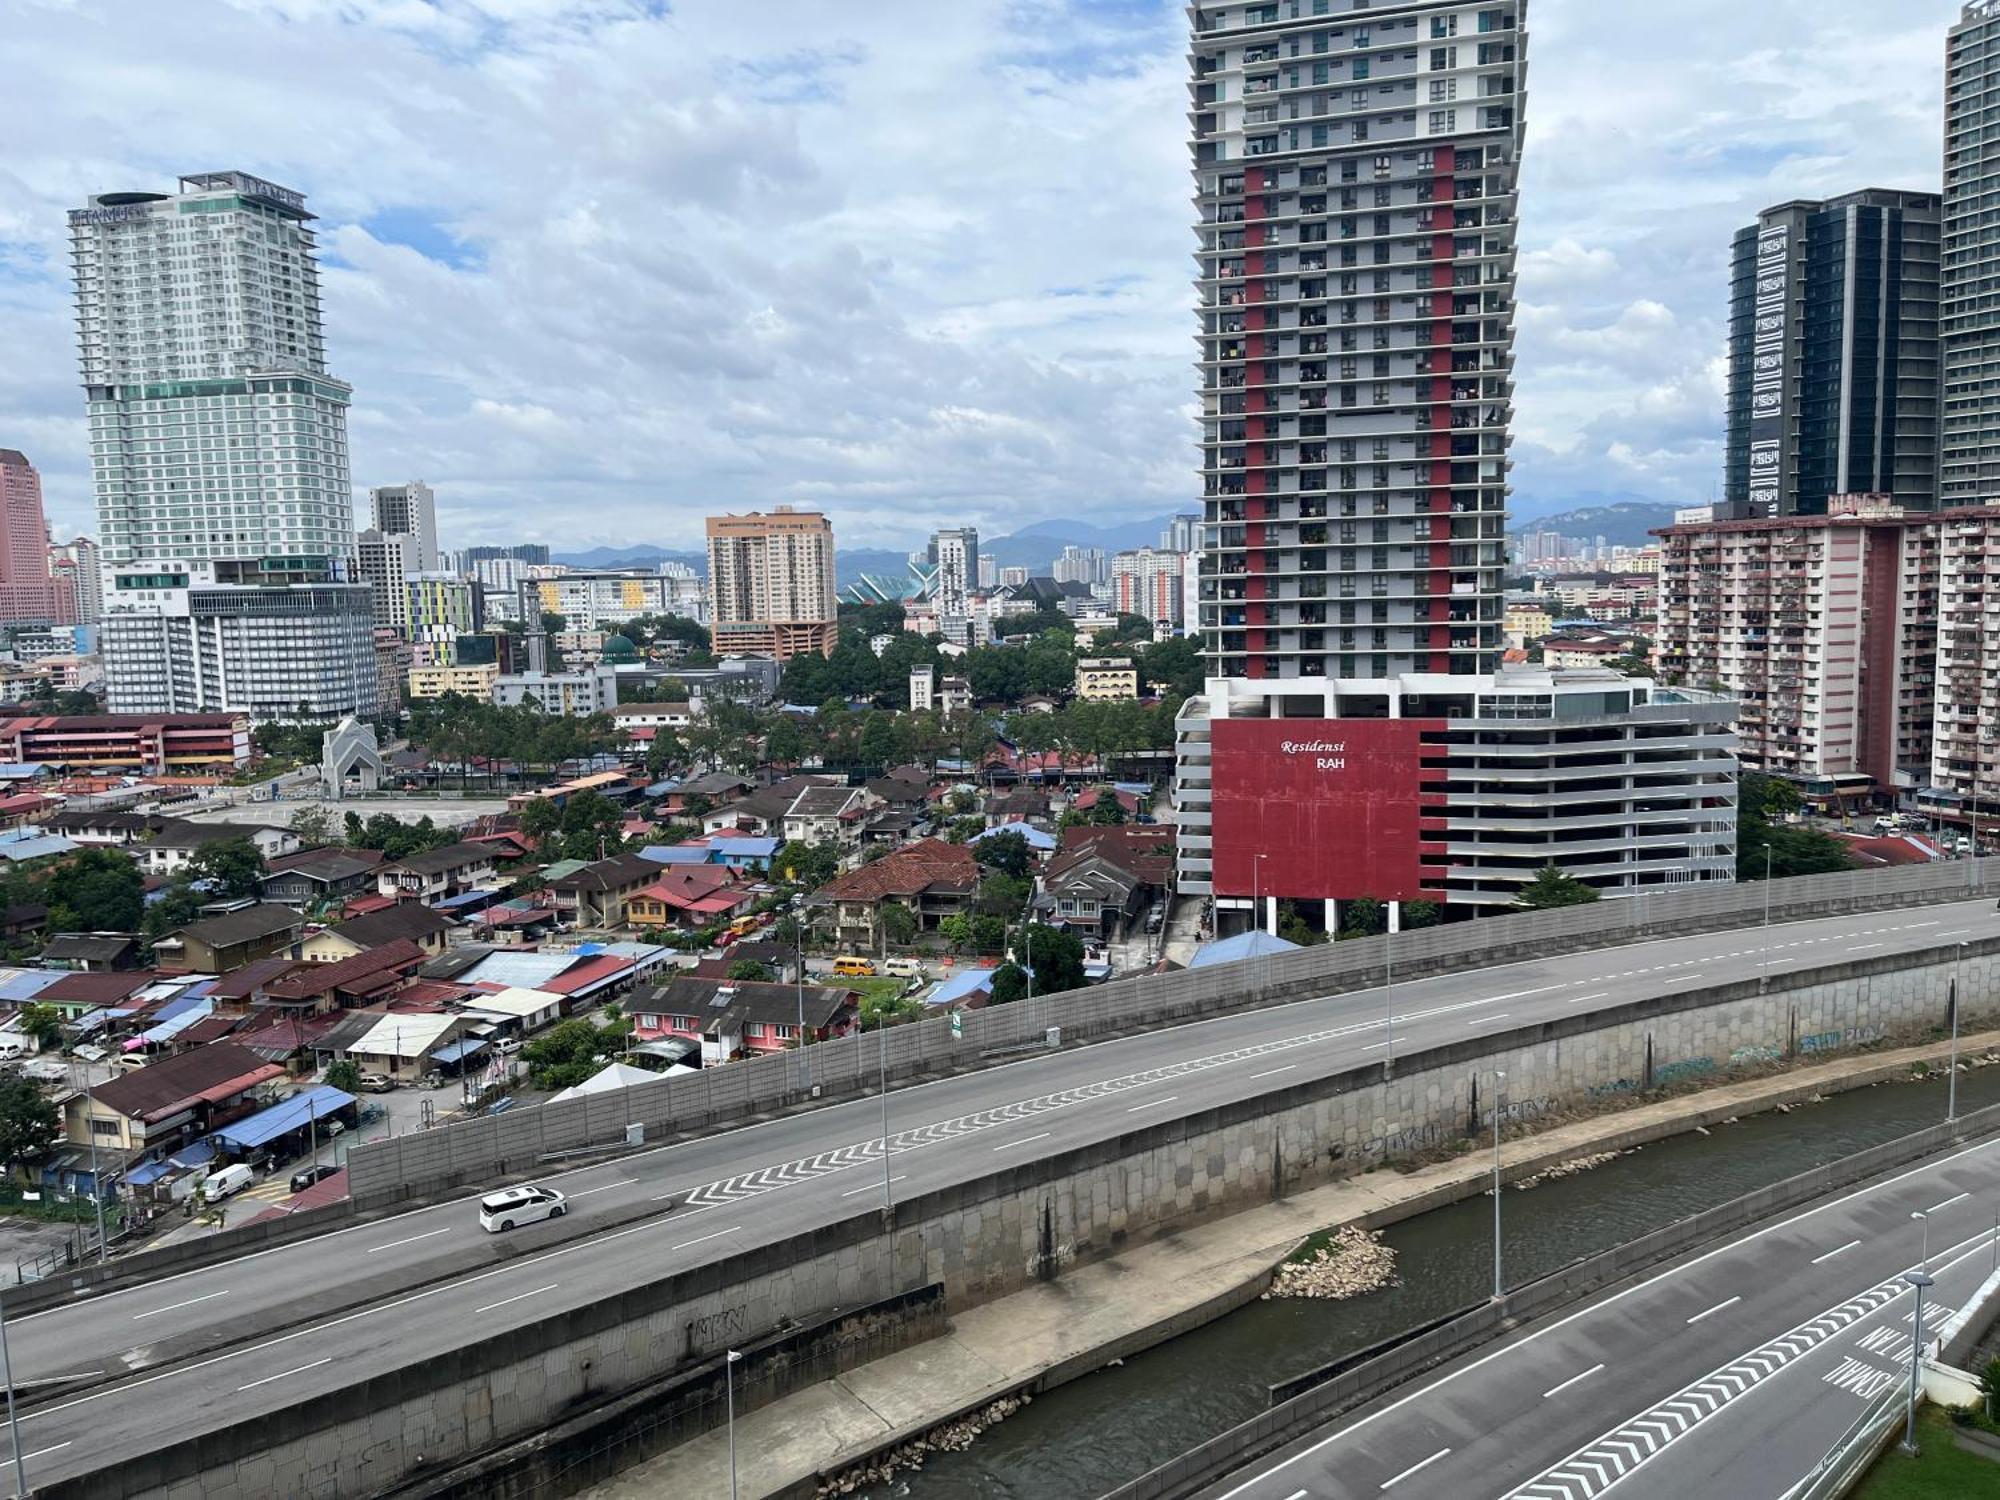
741, 290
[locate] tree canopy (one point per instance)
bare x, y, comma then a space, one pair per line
1761, 804
28, 1121
1552, 888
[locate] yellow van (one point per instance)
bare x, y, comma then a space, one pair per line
850, 967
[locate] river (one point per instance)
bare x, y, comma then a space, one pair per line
1097, 1432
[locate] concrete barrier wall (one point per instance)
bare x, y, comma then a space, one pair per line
478, 1151
989, 1236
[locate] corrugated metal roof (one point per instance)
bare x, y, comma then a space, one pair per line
523, 969
295, 1113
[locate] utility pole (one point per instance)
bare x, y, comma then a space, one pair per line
888, 1196
13, 1421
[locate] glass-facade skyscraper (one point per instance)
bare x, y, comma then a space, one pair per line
1833, 353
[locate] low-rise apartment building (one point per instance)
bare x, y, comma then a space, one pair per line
1107, 679
475, 681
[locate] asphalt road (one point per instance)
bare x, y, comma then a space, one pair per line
1730, 1374
183, 1341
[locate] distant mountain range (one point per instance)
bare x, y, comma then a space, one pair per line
1033, 547
1626, 523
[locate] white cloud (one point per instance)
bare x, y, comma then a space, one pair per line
600, 267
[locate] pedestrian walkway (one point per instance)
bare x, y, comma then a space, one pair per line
1049, 1334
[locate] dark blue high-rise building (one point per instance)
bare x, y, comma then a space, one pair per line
1833, 353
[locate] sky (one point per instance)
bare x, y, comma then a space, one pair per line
599, 268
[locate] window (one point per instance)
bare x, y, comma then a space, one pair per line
1443, 121
1443, 59
1443, 26
1443, 89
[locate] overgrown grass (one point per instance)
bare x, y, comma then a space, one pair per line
1941, 1470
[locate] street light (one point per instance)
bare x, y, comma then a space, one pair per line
13, 1422
1767, 883
729, 1384
1918, 1279
1499, 1077
799, 952
888, 1197
1951, 1094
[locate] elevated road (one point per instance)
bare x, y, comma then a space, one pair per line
421, 1283
1729, 1374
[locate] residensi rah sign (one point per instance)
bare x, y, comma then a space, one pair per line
1318, 809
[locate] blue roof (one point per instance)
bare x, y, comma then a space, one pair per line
746, 848
25, 984
199, 1154
27, 770
960, 986
24, 844
1136, 788
464, 899
1252, 944
1035, 838
675, 854
148, 1173
521, 968
296, 1113
457, 1050
661, 788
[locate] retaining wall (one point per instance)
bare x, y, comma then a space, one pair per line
479, 1151
989, 1236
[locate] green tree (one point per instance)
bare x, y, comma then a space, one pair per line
1174, 666
1006, 852
1364, 916
28, 1121
44, 1023
571, 1051
1421, 914
1010, 983
1001, 894
540, 818
956, 930
344, 1074
313, 823
751, 971
1056, 956
899, 924
1552, 888
807, 865
1762, 802
232, 865
988, 934
95, 890
175, 907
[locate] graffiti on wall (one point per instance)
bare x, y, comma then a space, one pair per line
1828, 1041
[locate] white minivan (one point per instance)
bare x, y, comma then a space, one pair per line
519, 1205
226, 1183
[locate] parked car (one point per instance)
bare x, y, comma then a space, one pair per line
376, 1083
526, 1204
306, 1177
904, 968
332, 1128
226, 1183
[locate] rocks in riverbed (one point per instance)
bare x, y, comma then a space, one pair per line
947, 1437
1570, 1168
1356, 1261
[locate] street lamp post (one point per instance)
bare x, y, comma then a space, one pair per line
805, 1057
729, 1385
1767, 884
13, 1422
1919, 1279
1388, 1001
888, 1197
1951, 1087
1499, 1078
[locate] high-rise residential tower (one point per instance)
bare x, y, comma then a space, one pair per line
1357, 736
954, 551
770, 581
1356, 174
1969, 293
408, 510
216, 431
81, 562
1833, 354
28, 591
219, 451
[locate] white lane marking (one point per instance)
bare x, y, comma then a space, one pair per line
1026, 1140
282, 1374
1488, 1020
1392, 1042
1415, 1468
523, 1297
873, 1187
1299, 1495
1273, 1072
1523, 994
1864, 947
1955, 1198
1715, 1309
393, 1244
176, 1307
1559, 1389
44, 1452
1832, 1253
605, 1188
706, 1238
1682, 979
1149, 1104
1599, 995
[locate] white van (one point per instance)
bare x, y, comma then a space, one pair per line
519, 1205
226, 1183
1889, 823
903, 968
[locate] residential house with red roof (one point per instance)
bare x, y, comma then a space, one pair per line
931, 878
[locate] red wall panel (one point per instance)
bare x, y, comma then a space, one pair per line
1331, 804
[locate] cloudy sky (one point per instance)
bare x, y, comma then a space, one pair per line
597, 268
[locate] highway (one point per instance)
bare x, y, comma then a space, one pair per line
376, 1296
1730, 1374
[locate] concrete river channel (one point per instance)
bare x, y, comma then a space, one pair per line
1093, 1434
